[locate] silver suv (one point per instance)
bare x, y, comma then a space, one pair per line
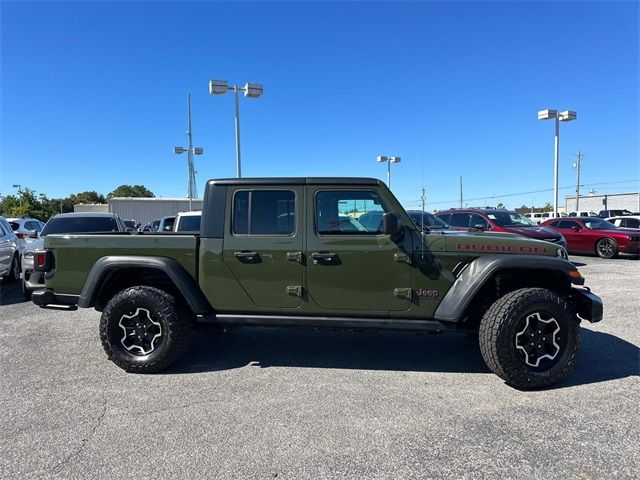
9, 253
26, 229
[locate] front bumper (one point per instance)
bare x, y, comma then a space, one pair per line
631, 247
588, 306
47, 297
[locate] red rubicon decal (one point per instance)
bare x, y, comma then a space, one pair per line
472, 247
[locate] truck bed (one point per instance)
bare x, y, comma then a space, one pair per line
78, 253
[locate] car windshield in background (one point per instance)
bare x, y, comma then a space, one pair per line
129, 223
430, 221
80, 225
189, 224
510, 219
597, 224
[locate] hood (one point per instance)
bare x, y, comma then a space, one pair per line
497, 243
539, 233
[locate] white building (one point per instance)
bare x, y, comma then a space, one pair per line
142, 210
609, 201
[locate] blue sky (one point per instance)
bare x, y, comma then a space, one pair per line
94, 94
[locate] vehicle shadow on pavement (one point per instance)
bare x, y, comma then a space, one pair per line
603, 356
366, 350
11, 293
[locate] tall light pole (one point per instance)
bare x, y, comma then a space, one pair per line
251, 90
389, 161
565, 116
576, 165
19, 187
191, 150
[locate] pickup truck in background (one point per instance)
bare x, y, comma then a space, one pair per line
290, 252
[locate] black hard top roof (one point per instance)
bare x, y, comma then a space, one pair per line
297, 181
85, 214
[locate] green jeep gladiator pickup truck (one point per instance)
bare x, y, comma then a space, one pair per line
291, 252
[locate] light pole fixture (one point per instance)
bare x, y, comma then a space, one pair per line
389, 161
251, 90
191, 151
565, 116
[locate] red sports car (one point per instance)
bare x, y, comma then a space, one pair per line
594, 235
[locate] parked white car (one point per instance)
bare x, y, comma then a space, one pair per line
187, 222
547, 215
583, 213
535, 217
628, 221
9, 253
26, 229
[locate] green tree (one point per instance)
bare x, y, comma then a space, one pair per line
131, 191
87, 197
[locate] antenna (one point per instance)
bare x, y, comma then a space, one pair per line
422, 227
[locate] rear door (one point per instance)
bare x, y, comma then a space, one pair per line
263, 248
352, 269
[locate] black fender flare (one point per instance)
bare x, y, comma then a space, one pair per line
184, 282
476, 274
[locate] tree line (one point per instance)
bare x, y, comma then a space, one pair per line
29, 203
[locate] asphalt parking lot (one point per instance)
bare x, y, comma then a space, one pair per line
262, 403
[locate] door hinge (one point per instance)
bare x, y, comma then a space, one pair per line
402, 293
401, 257
294, 256
294, 290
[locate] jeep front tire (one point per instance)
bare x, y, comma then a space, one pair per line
144, 330
530, 338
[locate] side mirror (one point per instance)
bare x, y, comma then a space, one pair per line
479, 227
576, 228
167, 228
390, 224
33, 234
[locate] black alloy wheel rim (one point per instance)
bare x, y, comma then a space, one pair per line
606, 248
539, 340
140, 334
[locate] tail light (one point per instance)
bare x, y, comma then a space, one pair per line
42, 261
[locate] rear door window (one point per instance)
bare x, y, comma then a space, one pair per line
264, 212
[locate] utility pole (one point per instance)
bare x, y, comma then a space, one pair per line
461, 199
190, 150
193, 189
576, 165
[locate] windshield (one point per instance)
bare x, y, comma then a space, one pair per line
597, 224
510, 219
80, 225
430, 221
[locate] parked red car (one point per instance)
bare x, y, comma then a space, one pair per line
497, 220
594, 235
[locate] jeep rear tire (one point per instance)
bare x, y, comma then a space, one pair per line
144, 330
530, 338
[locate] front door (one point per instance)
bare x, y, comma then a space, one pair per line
264, 246
350, 266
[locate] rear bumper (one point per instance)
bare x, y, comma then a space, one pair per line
588, 306
47, 297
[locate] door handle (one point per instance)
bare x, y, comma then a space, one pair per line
250, 256
328, 257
